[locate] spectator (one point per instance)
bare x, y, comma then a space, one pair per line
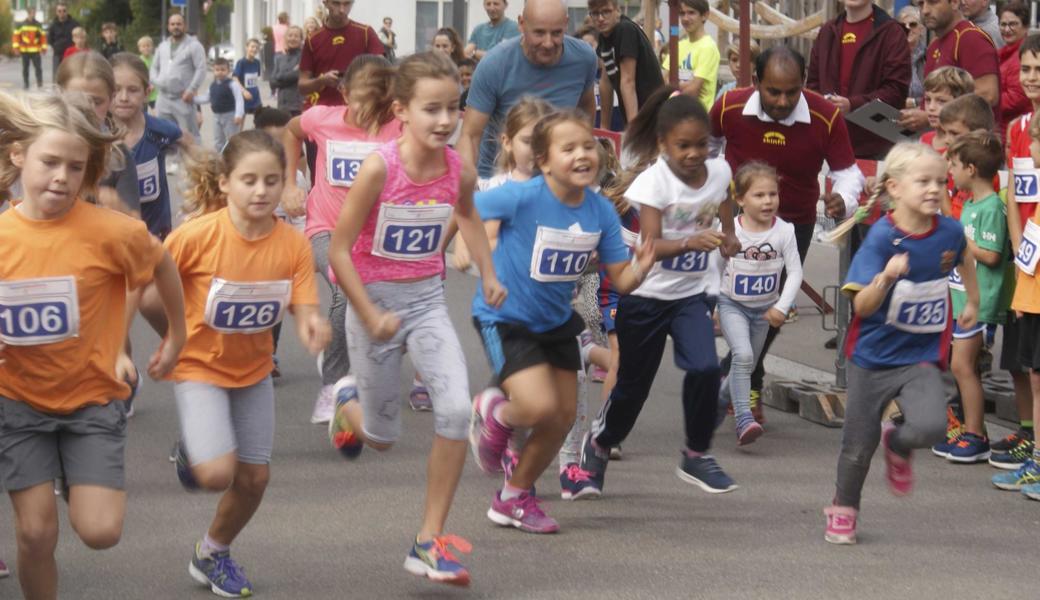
543, 62
466, 68
698, 54
733, 56
247, 74
30, 41
910, 18
957, 43
860, 56
389, 39
286, 74
1013, 29
629, 61
79, 43
146, 49
60, 34
177, 73
488, 35
982, 16
226, 99
311, 26
110, 45
278, 32
327, 54
446, 40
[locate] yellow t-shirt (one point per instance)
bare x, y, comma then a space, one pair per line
234, 291
699, 59
63, 286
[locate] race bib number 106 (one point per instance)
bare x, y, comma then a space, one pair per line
38, 311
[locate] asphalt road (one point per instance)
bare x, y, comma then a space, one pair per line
329, 528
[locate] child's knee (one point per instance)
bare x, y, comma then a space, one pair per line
37, 537
99, 531
452, 421
742, 361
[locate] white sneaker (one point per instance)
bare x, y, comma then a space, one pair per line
321, 363
324, 406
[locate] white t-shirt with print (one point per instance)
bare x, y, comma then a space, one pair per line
685, 211
770, 251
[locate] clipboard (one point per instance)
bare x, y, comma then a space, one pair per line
882, 120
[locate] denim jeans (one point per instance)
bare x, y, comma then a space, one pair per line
745, 329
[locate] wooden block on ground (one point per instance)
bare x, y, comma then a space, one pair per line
776, 396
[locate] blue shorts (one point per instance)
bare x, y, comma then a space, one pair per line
609, 316
988, 329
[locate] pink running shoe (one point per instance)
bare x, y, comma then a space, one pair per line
521, 512
487, 437
749, 433
4, 571
841, 524
898, 471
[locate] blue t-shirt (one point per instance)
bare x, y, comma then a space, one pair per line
543, 248
248, 74
486, 36
150, 157
504, 76
914, 323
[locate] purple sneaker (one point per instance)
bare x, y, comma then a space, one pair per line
750, 432
487, 437
521, 512
510, 458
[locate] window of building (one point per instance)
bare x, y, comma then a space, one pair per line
431, 15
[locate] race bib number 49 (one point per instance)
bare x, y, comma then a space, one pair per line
38, 311
343, 160
246, 307
919, 307
410, 232
1027, 255
561, 255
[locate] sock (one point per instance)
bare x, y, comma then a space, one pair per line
509, 492
692, 453
208, 547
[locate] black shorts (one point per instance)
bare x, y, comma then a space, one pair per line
512, 348
1029, 341
1009, 359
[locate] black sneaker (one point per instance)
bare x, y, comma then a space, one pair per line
705, 473
1012, 440
594, 462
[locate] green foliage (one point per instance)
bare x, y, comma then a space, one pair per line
6, 27
95, 12
146, 20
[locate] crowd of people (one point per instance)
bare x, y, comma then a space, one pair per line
589, 256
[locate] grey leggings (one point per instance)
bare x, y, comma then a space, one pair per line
216, 421
919, 391
336, 361
428, 335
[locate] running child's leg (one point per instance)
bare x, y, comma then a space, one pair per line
923, 404
736, 387
544, 399
335, 359
36, 530
207, 433
570, 452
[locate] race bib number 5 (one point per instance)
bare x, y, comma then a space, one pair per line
410, 232
1027, 256
919, 307
343, 160
246, 307
561, 255
148, 180
38, 311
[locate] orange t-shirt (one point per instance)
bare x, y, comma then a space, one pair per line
234, 291
63, 286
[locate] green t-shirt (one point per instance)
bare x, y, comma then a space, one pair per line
985, 223
148, 63
699, 59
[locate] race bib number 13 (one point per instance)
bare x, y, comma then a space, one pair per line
38, 311
343, 160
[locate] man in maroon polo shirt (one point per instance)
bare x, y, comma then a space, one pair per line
327, 54
796, 131
957, 43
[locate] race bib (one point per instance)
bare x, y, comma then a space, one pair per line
629, 237
755, 280
246, 307
410, 232
955, 281
38, 311
919, 307
692, 263
343, 160
148, 180
1027, 256
1026, 180
561, 255
251, 80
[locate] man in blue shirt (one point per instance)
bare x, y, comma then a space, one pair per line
543, 62
498, 29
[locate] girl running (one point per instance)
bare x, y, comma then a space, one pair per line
242, 269
548, 229
900, 334
387, 255
64, 276
91, 74
751, 298
678, 197
344, 136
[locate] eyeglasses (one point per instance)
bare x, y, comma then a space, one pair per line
601, 14
1010, 25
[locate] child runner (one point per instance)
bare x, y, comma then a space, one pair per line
678, 197
247, 74
548, 229
149, 139
974, 160
344, 136
900, 335
751, 298
89, 73
387, 256
242, 270
66, 269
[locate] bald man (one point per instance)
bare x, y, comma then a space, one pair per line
544, 62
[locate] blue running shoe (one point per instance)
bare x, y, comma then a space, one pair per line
341, 435
221, 573
593, 463
1032, 491
969, 448
705, 473
435, 561
184, 474
1013, 481
1013, 458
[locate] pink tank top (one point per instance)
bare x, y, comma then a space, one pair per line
403, 235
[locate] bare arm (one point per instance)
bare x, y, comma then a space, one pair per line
606, 101
293, 198
629, 99
587, 104
988, 88
650, 230
472, 230
986, 257
693, 87
171, 293
473, 124
311, 327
